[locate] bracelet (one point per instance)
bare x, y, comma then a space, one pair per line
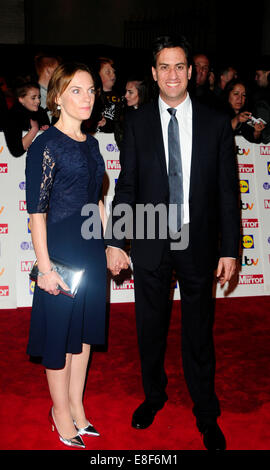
40, 274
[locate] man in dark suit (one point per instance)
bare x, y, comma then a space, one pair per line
204, 190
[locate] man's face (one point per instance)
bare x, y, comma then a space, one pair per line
172, 74
261, 78
201, 63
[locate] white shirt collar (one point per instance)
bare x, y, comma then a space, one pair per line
184, 106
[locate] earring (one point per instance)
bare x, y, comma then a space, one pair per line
58, 107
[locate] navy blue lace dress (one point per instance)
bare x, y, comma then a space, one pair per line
62, 175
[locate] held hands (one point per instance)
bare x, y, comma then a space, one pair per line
50, 281
117, 260
225, 270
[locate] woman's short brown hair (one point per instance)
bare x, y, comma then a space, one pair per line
60, 80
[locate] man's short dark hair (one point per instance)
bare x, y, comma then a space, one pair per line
163, 42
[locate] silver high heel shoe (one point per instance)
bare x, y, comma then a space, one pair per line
88, 430
75, 441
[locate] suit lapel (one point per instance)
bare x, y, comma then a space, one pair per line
195, 151
156, 132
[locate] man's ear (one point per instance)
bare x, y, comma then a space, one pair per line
154, 73
189, 72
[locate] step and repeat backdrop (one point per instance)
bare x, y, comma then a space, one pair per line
16, 249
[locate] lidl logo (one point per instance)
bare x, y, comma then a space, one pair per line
1, 209
31, 287
244, 186
247, 241
28, 225
2, 271
268, 168
1, 149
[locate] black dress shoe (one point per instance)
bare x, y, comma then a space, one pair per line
144, 415
213, 438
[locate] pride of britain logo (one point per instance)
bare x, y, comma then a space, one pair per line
112, 148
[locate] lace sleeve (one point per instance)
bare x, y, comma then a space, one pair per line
48, 165
40, 170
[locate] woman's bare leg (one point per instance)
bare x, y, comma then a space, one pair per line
79, 363
58, 381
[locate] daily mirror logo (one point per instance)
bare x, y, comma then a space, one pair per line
251, 279
26, 266
250, 223
4, 291
264, 149
3, 229
3, 168
113, 165
245, 168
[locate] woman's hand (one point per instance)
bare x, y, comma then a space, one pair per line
239, 118
50, 282
244, 116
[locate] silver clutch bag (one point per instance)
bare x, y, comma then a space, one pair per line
71, 276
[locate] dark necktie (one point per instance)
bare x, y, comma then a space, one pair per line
175, 174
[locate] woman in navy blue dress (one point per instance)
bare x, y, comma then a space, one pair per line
64, 172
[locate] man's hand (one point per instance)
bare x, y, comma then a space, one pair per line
225, 270
117, 260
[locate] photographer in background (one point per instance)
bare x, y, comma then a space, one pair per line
235, 95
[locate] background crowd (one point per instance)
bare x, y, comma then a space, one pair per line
23, 98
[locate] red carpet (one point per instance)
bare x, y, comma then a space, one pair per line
242, 338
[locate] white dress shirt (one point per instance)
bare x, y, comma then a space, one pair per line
184, 117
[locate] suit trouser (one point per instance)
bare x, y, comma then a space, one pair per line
152, 290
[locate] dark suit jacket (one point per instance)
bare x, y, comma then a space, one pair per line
213, 198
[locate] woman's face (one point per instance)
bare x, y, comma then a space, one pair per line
107, 75
237, 97
132, 95
78, 99
31, 100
